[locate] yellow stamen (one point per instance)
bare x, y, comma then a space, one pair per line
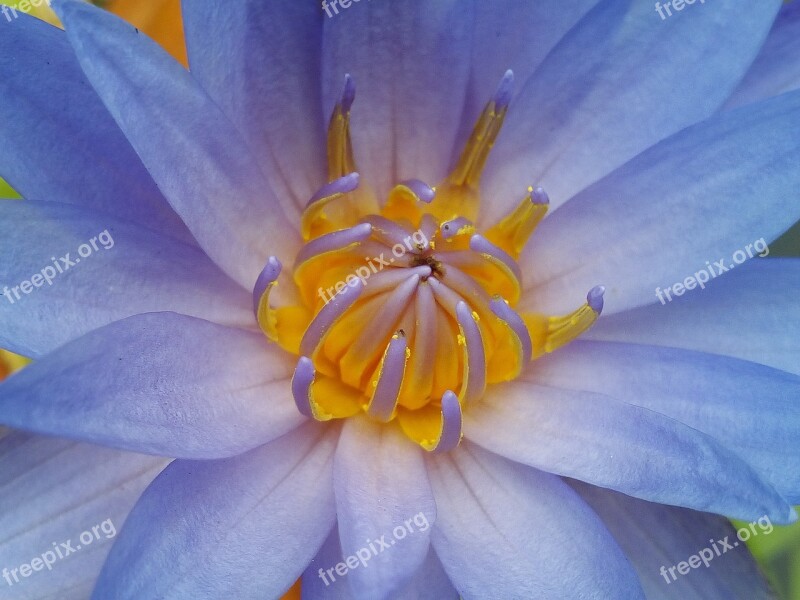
512, 233
458, 195
418, 338
550, 333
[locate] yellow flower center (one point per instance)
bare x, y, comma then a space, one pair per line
405, 312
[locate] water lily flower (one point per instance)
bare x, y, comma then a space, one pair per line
272, 411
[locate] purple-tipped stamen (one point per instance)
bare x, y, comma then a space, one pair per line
466, 287
302, 380
474, 384
452, 227
269, 274
343, 185
385, 281
328, 315
378, 329
389, 232
330, 242
424, 355
348, 94
421, 190
510, 317
445, 297
539, 196
387, 392
595, 298
502, 96
480, 244
451, 423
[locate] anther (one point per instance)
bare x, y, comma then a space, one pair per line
327, 317
267, 279
302, 380
391, 371
473, 380
451, 423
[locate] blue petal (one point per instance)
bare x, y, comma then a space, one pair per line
776, 70
241, 528
617, 83
316, 584
515, 35
133, 270
58, 142
430, 581
260, 62
189, 147
747, 407
158, 383
408, 63
752, 313
51, 491
655, 536
702, 194
376, 496
491, 512
612, 444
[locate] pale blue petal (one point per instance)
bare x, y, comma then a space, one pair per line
57, 140
619, 82
516, 532
430, 581
261, 63
51, 491
243, 528
603, 441
319, 585
134, 270
752, 313
515, 35
382, 493
698, 196
410, 66
749, 408
655, 536
776, 70
190, 148
158, 383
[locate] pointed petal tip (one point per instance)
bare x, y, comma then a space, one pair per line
595, 298
502, 96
